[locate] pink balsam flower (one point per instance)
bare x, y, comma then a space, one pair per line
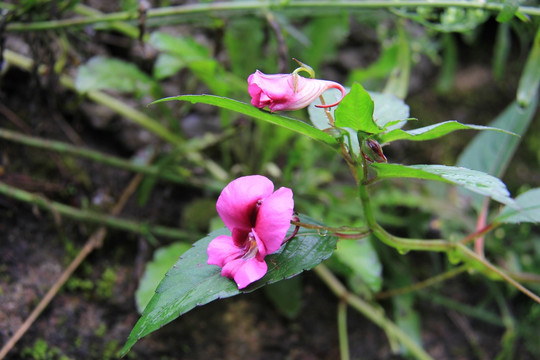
287, 91
258, 219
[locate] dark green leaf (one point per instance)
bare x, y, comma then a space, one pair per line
362, 261
475, 181
192, 282
286, 296
431, 132
529, 209
250, 110
355, 111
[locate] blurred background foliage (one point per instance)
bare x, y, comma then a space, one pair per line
89, 85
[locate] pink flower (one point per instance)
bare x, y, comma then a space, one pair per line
287, 91
258, 219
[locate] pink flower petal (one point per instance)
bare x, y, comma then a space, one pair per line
222, 250
287, 91
236, 204
274, 219
244, 271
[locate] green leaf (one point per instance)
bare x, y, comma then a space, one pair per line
286, 296
167, 65
355, 111
529, 209
389, 111
509, 9
250, 110
192, 282
407, 319
363, 263
529, 82
432, 132
164, 258
473, 180
491, 152
101, 73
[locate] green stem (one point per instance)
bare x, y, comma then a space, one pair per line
222, 8
342, 330
401, 244
370, 312
96, 156
468, 253
91, 216
423, 284
330, 228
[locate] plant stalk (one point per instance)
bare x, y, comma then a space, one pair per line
57, 209
222, 8
370, 312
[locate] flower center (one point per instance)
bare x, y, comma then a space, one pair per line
254, 213
250, 247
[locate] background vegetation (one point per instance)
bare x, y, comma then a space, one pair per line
100, 193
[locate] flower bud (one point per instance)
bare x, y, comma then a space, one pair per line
287, 91
372, 151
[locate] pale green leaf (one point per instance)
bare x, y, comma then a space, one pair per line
491, 152
362, 261
529, 209
286, 296
473, 180
164, 258
101, 73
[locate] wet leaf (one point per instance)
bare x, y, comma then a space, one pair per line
286, 296
192, 282
473, 180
